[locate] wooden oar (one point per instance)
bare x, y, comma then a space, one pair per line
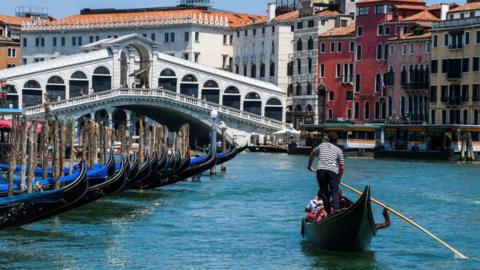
458, 253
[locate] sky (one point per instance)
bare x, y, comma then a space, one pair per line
63, 8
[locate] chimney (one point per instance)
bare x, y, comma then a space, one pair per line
444, 8
272, 8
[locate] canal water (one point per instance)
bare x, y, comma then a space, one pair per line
249, 218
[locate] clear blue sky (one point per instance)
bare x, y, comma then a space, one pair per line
62, 8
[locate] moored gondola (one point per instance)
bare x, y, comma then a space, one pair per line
143, 172
133, 169
350, 229
227, 156
196, 168
27, 212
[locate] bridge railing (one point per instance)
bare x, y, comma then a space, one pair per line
156, 92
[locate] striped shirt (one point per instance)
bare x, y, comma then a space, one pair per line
330, 157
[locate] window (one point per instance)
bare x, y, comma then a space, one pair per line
412, 48
197, 56
404, 49
357, 83
97, 38
379, 9
467, 38
91, 39
445, 40
299, 66
322, 71
263, 30
356, 109
272, 69
380, 30
246, 32
339, 47
300, 25
12, 53
185, 56
351, 46
238, 34
254, 32
391, 49
465, 96
362, 11
476, 92
338, 70
310, 43
42, 42
331, 96
11, 65
299, 44
167, 37
428, 47
24, 42
349, 95
359, 31
197, 36
63, 41
225, 39
79, 41
231, 39
311, 23
74, 41
330, 114
54, 41
435, 41
172, 37
310, 65
387, 31
444, 93
332, 47
379, 51
367, 110
477, 37
273, 28
476, 63
433, 93
359, 53
322, 47
434, 66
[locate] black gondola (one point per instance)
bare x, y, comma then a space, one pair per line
222, 158
143, 172
210, 161
133, 171
24, 213
146, 174
111, 164
350, 229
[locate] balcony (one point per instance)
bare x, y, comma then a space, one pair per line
458, 23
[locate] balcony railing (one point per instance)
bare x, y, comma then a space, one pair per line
457, 23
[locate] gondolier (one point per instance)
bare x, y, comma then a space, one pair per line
329, 171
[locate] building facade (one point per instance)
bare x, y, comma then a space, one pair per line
455, 67
10, 40
336, 71
198, 34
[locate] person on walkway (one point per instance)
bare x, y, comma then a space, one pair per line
329, 171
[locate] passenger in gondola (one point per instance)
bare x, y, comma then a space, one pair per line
344, 201
387, 221
312, 208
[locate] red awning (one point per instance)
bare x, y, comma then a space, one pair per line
5, 125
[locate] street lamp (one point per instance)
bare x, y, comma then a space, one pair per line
213, 138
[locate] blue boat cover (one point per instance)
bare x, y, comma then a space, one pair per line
197, 160
48, 196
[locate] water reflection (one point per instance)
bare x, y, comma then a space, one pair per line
323, 259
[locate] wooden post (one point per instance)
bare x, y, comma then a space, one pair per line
13, 143
223, 167
63, 139
72, 147
31, 157
56, 151
24, 136
140, 141
46, 138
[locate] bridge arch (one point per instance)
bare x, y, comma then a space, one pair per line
129, 76
12, 96
189, 86
78, 84
274, 109
101, 79
31, 93
55, 88
168, 80
119, 117
253, 103
232, 98
211, 91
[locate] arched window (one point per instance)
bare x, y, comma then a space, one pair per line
299, 66
310, 65
274, 109
231, 97
55, 88
379, 51
252, 103
356, 110
310, 43
78, 84
378, 83
168, 80
262, 70
298, 92
299, 44
384, 109
308, 108
403, 107
290, 90
101, 80
359, 53
309, 89
189, 86
357, 83
411, 74
253, 71
31, 94
298, 108
377, 110
366, 109
211, 92
12, 97
403, 76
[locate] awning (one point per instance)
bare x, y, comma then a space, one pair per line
5, 125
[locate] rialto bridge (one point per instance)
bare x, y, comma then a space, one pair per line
113, 79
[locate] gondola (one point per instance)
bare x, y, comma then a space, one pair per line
227, 156
111, 164
146, 174
350, 229
132, 172
143, 172
205, 164
27, 212
115, 183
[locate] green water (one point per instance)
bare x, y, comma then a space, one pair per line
249, 218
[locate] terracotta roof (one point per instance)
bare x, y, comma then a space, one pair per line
412, 36
12, 20
234, 19
287, 16
390, 1
438, 6
341, 31
466, 7
328, 13
410, 7
422, 16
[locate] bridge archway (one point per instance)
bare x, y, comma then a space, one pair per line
168, 80
274, 109
211, 91
78, 84
101, 79
101, 116
253, 103
119, 117
12, 96
232, 98
55, 88
31, 93
189, 86
135, 66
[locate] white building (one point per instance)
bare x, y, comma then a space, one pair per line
197, 34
